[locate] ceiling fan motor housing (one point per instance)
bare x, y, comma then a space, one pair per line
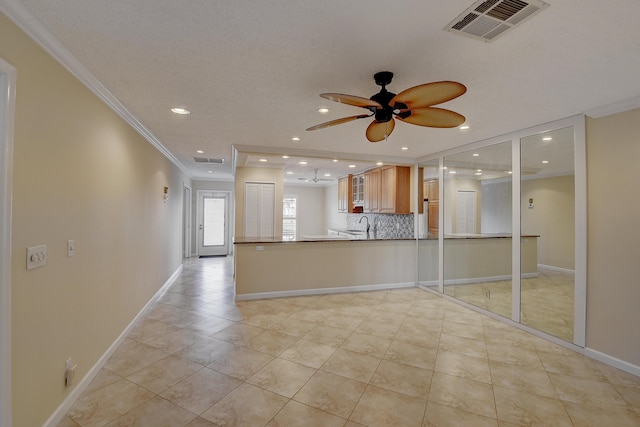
383, 98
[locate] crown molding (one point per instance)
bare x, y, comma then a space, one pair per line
34, 28
617, 107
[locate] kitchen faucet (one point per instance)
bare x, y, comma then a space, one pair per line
360, 222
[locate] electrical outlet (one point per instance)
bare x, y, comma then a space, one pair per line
70, 248
36, 257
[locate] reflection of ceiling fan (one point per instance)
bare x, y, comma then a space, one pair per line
413, 105
315, 177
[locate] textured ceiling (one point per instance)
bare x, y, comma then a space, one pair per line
251, 72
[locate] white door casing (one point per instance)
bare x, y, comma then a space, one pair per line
7, 114
212, 222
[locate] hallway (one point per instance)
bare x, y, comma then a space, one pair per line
385, 358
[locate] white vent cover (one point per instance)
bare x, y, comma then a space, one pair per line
487, 19
208, 160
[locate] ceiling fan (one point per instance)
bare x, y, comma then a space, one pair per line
315, 177
413, 106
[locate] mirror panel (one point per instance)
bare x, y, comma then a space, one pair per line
547, 188
428, 223
477, 210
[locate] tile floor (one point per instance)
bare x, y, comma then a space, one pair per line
388, 358
547, 300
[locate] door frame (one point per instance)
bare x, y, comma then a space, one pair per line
186, 219
7, 115
199, 212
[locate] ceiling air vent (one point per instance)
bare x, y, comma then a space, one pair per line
208, 160
487, 19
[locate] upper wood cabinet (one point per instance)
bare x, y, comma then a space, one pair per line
395, 189
372, 190
345, 194
386, 190
432, 190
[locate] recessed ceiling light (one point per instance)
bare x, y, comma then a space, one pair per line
405, 148
335, 160
323, 110
544, 162
476, 155
179, 110
445, 168
210, 171
509, 172
295, 138
478, 173
285, 157
289, 173
352, 166
464, 127
263, 160
327, 174
200, 152
453, 172
478, 170
547, 138
379, 164
302, 162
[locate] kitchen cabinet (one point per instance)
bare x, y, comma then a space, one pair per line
432, 193
395, 187
345, 194
357, 182
434, 212
432, 190
371, 190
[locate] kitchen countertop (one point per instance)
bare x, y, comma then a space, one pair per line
320, 238
371, 237
475, 236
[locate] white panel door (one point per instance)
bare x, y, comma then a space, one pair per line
466, 212
259, 210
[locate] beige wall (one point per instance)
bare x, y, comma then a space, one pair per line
81, 173
552, 217
310, 208
613, 272
334, 219
264, 175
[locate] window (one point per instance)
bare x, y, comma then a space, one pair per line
289, 217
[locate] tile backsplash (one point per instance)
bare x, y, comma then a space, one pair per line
384, 225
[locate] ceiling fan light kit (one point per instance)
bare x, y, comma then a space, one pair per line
413, 106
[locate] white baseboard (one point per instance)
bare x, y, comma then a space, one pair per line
475, 280
612, 361
322, 291
554, 268
68, 402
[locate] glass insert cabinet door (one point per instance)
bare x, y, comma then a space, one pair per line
510, 233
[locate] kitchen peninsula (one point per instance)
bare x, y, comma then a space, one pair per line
268, 268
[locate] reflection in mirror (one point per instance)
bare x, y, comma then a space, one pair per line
477, 226
548, 211
428, 197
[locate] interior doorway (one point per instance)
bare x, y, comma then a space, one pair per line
186, 222
213, 223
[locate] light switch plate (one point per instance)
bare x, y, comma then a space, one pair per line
36, 257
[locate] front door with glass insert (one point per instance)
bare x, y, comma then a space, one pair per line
213, 224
